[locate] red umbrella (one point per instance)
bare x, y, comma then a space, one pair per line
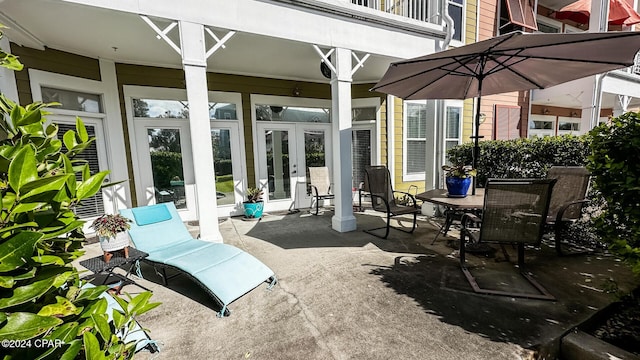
620, 12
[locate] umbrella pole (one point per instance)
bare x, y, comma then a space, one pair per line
476, 137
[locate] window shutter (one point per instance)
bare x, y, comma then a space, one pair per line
507, 122
521, 12
93, 206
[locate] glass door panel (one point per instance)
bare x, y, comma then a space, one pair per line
314, 151
221, 143
278, 166
360, 154
166, 166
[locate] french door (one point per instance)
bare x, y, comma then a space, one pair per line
165, 164
285, 153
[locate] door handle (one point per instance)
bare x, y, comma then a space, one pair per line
294, 172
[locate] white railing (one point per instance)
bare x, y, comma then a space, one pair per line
635, 69
423, 10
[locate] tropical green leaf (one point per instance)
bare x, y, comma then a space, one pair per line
82, 131
72, 352
69, 139
18, 226
15, 251
38, 286
44, 189
102, 325
63, 307
10, 62
48, 259
91, 186
22, 326
22, 208
30, 117
92, 347
22, 168
6, 281
91, 293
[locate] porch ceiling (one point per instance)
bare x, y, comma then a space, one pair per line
126, 38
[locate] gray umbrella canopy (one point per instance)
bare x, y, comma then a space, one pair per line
511, 62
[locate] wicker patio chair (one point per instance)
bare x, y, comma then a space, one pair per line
320, 186
378, 183
514, 213
567, 199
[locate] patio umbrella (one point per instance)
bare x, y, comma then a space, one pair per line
620, 12
506, 63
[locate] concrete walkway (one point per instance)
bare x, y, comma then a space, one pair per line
354, 296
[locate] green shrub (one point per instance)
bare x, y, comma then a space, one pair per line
42, 300
522, 158
616, 171
165, 166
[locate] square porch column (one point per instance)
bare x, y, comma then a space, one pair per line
343, 220
194, 62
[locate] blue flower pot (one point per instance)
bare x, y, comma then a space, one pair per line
458, 187
253, 210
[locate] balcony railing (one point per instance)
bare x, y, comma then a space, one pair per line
423, 10
635, 69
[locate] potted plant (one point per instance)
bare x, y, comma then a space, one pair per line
254, 205
458, 179
111, 230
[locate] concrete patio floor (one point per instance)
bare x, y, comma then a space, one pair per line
355, 296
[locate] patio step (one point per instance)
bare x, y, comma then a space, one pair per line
579, 345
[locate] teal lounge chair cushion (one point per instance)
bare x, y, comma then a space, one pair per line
151, 215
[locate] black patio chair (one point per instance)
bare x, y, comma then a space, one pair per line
383, 199
319, 186
514, 213
567, 200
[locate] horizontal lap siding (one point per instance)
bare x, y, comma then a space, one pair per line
54, 61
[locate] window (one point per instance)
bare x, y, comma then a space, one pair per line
453, 126
456, 8
179, 109
73, 100
550, 26
542, 125
292, 113
568, 125
516, 15
507, 122
417, 115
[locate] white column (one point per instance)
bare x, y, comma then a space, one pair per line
598, 20
343, 220
195, 72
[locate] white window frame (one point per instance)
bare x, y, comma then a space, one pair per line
543, 132
451, 104
549, 22
407, 177
147, 92
573, 120
119, 196
463, 22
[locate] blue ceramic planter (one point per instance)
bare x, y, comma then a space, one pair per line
253, 210
458, 187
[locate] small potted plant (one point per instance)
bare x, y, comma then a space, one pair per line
458, 179
111, 230
254, 205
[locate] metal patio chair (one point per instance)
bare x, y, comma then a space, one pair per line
378, 183
514, 213
320, 186
567, 199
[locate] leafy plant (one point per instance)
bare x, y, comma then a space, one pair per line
254, 194
522, 158
108, 225
41, 295
459, 171
615, 169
